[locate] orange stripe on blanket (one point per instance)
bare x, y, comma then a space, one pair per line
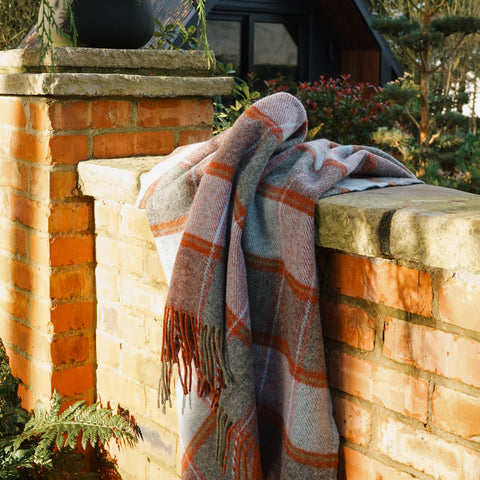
202, 246
255, 114
305, 457
150, 191
237, 329
168, 228
271, 265
304, 292
221, 170
287, 197
307, 377
368, 164
330, 162
263, 264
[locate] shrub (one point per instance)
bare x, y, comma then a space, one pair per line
339, 109
228, 109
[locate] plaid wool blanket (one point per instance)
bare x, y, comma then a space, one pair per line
233, 220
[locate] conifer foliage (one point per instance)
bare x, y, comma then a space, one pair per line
429, 36
43, 444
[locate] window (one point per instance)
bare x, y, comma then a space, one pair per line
275, 50
224, 37
268, 44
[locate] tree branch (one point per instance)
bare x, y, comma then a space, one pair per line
448, 54
412, 118
438, 7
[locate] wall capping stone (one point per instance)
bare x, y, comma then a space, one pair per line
434, 226
114, 179
103, 60
418, 223
111, 85
101, 72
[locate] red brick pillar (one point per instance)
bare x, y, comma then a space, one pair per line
48, 123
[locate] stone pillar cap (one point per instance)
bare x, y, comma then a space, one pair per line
108, 60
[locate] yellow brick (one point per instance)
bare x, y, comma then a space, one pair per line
107, 217
131, 328
108, 350
139, 367
167, 420
157, 471
137, 295
106, 285
112, 386
131, 461
134, 224
108, 319
119, 255
159, 443
152, 268
154, 329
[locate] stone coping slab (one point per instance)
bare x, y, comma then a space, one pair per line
434, 226
114, 179
112, 84
108, 60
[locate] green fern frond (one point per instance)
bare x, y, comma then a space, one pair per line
93, 423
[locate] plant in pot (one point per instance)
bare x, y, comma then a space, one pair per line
102, 23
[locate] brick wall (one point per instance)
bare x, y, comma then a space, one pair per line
47, 247
49, 122
47, 255
404, 357
131, 291
402, 338
82, 291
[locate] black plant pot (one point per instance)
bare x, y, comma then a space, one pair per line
113, 23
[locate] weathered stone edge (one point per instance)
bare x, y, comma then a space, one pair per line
115, 179
434, 226
103, 58
102, 85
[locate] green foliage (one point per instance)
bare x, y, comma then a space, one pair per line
174, 36
396, 141
42, 444
48, 27
202, 26
452, 24
17, 17
339, 109
227, 110
434, 39
394, 25
12, 415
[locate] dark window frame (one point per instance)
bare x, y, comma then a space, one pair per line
248, 20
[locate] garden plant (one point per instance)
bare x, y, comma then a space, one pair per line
55, 444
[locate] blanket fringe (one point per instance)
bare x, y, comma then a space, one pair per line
190, 345
246, 462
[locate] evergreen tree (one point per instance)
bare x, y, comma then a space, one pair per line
431, 38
